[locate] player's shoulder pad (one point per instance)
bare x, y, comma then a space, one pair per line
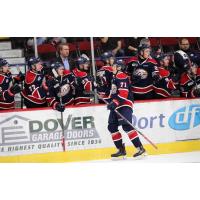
121, 75
78, 73
2, 77
30, 77
132, 59
184, 79
152, 60
163, 72
107, 68
198, 71
67, 72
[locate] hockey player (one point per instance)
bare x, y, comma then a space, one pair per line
108, 58
190, 82
104, 78
121, 100
60, 88
165, 85
84, 83
8, 88
34, 92
143, 71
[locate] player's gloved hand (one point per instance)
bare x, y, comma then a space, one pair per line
197, 92
60, 107
112, 106
15, 89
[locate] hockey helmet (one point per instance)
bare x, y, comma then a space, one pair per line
33, 61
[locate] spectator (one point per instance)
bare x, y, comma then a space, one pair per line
184, 55
190, 82
131, 45
63, 56
145, 41
113, 44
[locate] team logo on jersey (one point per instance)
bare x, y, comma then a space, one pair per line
185, 118
141, 72
39, 78
100, 73
64, 90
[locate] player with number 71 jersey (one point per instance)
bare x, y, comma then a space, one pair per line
120, 92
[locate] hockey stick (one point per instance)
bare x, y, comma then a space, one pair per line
62, 125
120, 115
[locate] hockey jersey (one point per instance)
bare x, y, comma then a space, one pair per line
34, 90
83, 87
188, 84
6, 97
120, 92
61, 90
142, 75
165, 85
104, 79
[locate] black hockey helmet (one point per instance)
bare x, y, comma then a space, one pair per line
143, 47
3, 62
82, 60
56, 65
120, 63
33, 61
106, 55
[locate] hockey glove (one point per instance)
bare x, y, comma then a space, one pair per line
15, 89
60, 107
112, 106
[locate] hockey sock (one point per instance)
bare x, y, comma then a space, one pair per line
117, 139
133, 136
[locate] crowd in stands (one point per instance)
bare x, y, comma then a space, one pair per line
65, 79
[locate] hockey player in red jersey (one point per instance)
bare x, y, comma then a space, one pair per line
60, 88
8, 88
190, 81
84, 83
143, 71
165, 85
34, 92
121, 100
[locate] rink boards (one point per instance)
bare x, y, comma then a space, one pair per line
35, 135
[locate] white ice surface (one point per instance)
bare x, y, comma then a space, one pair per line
187, 157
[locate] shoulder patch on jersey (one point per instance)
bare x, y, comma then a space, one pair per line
151, 60
132, 59
121, 75
2, 77
78, 73
184, 79
107, 68
30, 77
163, 72
67, 72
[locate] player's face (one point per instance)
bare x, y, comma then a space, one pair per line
5, 69
60, 71
194, 69
86, 66
64, 51
114, 68
184, 45
166, 62
38, 67
111, 61
145, 53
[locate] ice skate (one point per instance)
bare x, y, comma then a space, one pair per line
120, 154
141, 153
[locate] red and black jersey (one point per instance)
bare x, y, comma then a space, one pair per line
104, 80
189, 83
142, 73
165, 85
84, 87
60, 90
6, 97
34, 89
120, 91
